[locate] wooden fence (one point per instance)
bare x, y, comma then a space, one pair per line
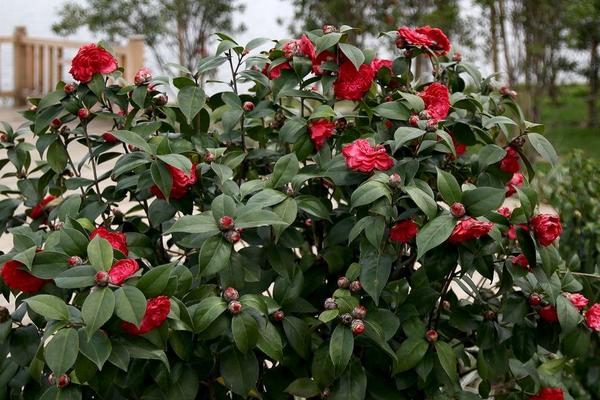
39, 64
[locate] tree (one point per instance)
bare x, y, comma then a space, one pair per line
583, 24
173, 29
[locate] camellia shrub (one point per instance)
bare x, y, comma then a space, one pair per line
327, 227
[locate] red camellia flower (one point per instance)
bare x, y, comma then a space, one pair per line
352, 84
181, 183
320, 130
323, 57
521, 261
404, 231
546, 227
577, 299
157, 310
37, 211
510, 163
504, 211
90, 60
437, 100
548, 394
117, 240
512, 231
516, 181
275, 72
16, 277
379, 63
302, 47
432, 38
592, 317
459, 147
548, 313
361, 156
121, 270
109, 137
468, 229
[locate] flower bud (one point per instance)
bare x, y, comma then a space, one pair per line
359, 312
400, 42
63, 381
424, 115
248, 106
413, 120
308, 222
490, 315
343, 282
289, 191
432, 125
518, 142
355, 286
52, 379
395, 180
3, 137
4, 314
235, 307
346, 319
232, 236
56, 123
388, 124
161, 99
75, 260
278, 315
341, 123
230, 294
102, 278
329, 29
358, 327
70, 88
431, 336
458, 210
457, 57
83, 113
446, 305
142, 76
209, 157
225, 223
330, 304
535, 299
325, 393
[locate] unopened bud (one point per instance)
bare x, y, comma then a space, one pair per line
458, 210
457, 57
248, 106
102, 278
278, 315
346, 319
359, 312
235, 307
225, 223
232, 236
63, 381
209, 157
56, 123
355, 286
343, 282
4, 314
534, 300
358, 327
70, 88
330, 304
431, 336
75, 260
83, 113
395, 180
329, 29
230, 294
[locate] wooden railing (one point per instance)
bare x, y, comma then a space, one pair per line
39, 64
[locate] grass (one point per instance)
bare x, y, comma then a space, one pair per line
564, 122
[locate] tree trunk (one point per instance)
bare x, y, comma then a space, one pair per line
509, 66
592, 119
494, 35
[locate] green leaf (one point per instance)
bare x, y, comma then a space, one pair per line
239, 370
269, 341
76, 277
155, 281
201, 224
49, 264
49, 307
293, 128
543, 147
178, 161
313, 206
482, 200
490, 154
130, 304
69, 393
410, 353
287, 211
100, 253
568, 315
252, 218
498, 120
405, 134
61, 351
352, 385
375, 271
323, 43
434, 233
215, 254
303, 387
162, 178
284, 170
393, 110
97, 349
73, 242
341, 346
447, 359
133, 139
191, 99
139, 95
208, 310
97, 309
298, 335
354, 54
221, 206
425, 202
368, 192
448, 187
245, 331
57, 156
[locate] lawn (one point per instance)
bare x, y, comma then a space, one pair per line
564, 122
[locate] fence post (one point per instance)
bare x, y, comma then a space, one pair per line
134, 56
19, 65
